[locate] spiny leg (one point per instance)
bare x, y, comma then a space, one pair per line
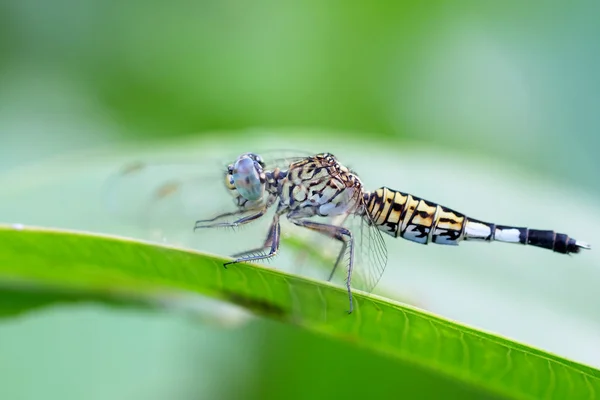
339, 258
213, 223
210, 223
338, 233
342, 251
268, 242
274, 233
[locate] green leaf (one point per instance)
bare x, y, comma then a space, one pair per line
41, 266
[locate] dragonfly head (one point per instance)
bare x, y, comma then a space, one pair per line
246, 175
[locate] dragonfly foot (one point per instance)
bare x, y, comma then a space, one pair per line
229, 263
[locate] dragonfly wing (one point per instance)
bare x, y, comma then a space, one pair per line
282, 158
137, 187
140, 189
163, 200
370, 253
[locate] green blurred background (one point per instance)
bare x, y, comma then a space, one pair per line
491, 109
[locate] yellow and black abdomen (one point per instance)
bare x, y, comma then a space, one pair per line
413, 218
403, 215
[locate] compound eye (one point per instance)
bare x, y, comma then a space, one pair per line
229, 182
246, 179
260, 161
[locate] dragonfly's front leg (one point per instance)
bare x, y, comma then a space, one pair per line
273, 237
217, 222
338, 233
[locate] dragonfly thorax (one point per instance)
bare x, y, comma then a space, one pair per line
320, 186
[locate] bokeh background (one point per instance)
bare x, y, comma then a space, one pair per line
489, 108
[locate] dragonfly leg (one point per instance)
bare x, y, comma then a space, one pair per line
338, 233
337, 262
268, 242
214, 222
274, 234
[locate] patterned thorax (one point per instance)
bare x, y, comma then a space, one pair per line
321, 186
311, 186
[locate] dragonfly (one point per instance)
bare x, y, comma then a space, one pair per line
320, 186
318, 193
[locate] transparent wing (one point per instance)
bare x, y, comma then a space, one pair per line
162, 201
316, 256
371, 254
370, 251
136, 185
281, 158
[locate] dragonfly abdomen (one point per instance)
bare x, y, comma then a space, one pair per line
547, 239
403, 215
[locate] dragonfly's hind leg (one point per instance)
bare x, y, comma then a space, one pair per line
339, 258
274, 235
338, 233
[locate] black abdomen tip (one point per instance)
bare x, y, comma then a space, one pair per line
567, 245
557, 242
